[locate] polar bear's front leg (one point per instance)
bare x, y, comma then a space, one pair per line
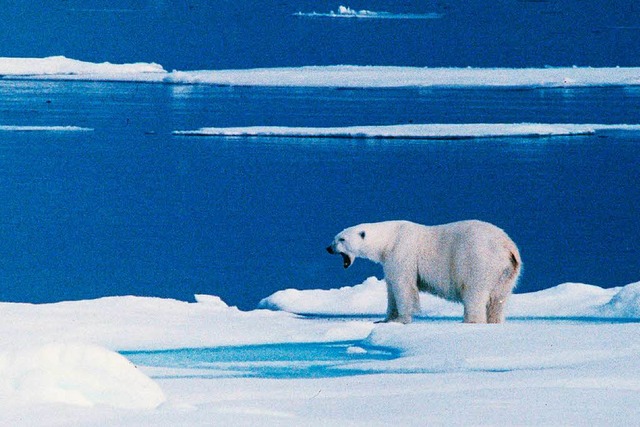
403, 301
392, 308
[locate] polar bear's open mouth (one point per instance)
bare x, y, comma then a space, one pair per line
346, 260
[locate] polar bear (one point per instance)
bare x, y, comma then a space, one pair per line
472, 262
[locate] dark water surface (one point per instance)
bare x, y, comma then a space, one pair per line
206, 34
130, 209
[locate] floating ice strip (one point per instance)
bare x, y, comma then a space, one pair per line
420, 131
347, 12
339, 76
44, 129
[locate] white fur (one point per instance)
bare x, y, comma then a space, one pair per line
472, 262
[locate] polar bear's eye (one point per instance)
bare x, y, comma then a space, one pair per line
341, 239
362, 234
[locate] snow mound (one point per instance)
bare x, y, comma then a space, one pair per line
212, 301
416, 131
369, 298
565, 300
624, 304
76, 374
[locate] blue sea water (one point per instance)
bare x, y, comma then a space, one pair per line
306, 360
205, 34
129, 208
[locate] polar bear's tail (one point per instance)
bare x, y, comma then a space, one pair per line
508, 281
512, 274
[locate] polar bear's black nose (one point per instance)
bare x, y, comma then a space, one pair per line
330, 250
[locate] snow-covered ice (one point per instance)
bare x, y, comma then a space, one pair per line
568, 355
344, 76
415, 131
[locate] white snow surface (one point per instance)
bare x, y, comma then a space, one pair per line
342, 76
563, 356
415, 131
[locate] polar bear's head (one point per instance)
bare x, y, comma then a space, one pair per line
361, 241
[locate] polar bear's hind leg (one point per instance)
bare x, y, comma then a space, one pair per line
475, 308
499, 296
495, 310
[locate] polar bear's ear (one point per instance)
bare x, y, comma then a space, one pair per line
362, 234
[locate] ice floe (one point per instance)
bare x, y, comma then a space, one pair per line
415, 131
340, 76
350, 76
61, 67
13, 128
347, 12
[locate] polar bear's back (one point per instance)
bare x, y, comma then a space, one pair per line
454, 257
